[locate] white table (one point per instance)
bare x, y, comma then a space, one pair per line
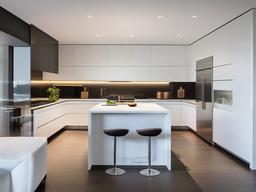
23, 163
132, 149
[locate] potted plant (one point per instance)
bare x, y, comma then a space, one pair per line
54, 93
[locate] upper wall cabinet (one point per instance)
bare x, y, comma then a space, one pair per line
44, 51
123, 63
14, 26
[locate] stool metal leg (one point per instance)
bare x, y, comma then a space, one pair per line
149, 171
115, 171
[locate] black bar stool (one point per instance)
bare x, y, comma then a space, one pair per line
115, 133
149, 133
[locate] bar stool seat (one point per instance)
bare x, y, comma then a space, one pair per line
115, 133
149, 132
152, 132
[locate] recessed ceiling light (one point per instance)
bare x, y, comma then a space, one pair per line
194, 16
97, 35
131, 35
89, 16
160, 16
178, 35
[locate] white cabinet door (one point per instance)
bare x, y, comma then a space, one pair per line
120, 55
180, 74
175, 112
90, 73
99, 55
50, 120
47, 114
141, 73
66, 54
189, 115
160, 73
224, 72
230, 134
141, 56
120, 73
161, 56
76, 119
82, 55
50, 128
179, 56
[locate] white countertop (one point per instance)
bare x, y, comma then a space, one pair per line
140, 108
189, 101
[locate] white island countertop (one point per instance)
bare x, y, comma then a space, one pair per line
140, 108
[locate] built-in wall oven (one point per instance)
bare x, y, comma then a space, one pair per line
204, 101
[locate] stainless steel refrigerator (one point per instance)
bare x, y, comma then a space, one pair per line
15, 113
204, 104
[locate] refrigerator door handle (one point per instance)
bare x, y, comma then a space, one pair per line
203, 99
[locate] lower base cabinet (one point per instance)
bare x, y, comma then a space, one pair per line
231, 133
182, 113
50, 120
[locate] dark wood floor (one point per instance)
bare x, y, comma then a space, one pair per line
209, 169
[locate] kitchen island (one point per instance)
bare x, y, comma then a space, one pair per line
131, 149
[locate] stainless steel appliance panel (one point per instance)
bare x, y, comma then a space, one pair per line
204, 104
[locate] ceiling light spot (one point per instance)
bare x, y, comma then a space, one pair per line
89, 16
160, 16
178, 35
194, 16
97, 35
131, 35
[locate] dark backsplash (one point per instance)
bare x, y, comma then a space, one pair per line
140, 91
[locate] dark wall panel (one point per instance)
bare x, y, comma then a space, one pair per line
14, 26
44, 51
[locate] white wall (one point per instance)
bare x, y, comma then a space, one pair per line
3, 72
231, 47
254, 90
123, 63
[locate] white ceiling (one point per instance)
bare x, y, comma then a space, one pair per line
115, 20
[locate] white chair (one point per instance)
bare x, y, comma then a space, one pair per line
23, 161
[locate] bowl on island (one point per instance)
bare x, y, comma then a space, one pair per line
133, 104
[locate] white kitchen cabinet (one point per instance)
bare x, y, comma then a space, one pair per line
50, 128
45, 115
182, 113
161, 56
120, 55
160, 74
141, 74
123, 63
65, 72
230, 134
65, 55
189, 115
120, 73
141, 56
91, 73
82, 55
223, 85
180, 74
224, 72
76, 119
179, 56
175, 112
99, 55
51, 119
